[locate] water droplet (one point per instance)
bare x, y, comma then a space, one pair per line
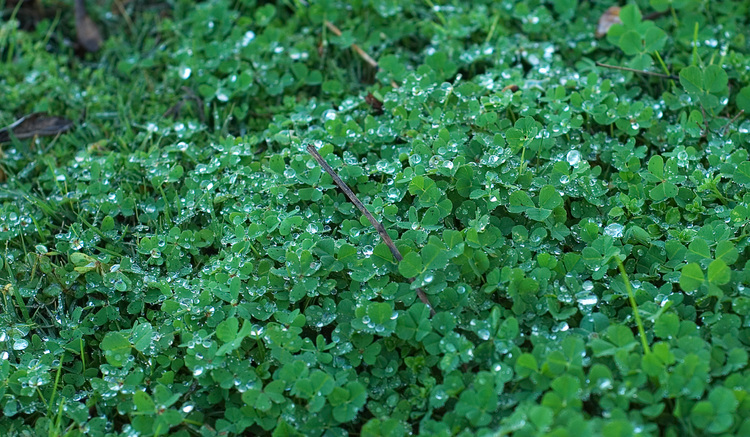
367, 251
587, 299
393, 194
614, 230
329, 114
20, 344
249, 36
573, 157
185, 72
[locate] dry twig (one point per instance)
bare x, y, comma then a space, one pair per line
361, 207
633, 70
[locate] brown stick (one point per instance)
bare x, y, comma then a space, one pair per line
363, 54
355, 47
633, 70
361, 207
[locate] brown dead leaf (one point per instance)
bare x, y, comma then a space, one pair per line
36, 124
374, 103
610, 17
87, 31
28, 13
511, 88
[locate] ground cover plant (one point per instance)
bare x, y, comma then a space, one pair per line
570, 202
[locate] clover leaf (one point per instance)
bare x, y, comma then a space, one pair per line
547, 201
705, 84
116, 348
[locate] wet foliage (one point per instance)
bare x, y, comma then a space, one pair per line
179, 264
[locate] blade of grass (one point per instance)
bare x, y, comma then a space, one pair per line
631, 298
56, 430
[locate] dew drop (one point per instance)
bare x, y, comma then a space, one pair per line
329, 114
249, 36
20, 344
573, 157
614, 230
367, 251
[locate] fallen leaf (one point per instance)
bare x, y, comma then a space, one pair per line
36, 124
374, 103
511, 88
609, 17
87, 31
28, 14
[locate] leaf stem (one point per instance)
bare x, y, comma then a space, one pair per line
674, 17
631, 297
726, 126
361, 207
695, 44
57, 381
492, 29
437, 12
